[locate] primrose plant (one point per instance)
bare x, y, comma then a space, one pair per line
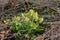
27, 24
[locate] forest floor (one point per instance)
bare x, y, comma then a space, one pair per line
52, 32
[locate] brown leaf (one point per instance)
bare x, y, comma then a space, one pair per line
39, 37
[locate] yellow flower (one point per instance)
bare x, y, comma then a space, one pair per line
35, 16
16, 18
26, 19
31, 12
6, 21
41, 20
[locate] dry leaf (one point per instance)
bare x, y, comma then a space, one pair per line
39, 37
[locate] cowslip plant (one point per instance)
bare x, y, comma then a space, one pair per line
27, 23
